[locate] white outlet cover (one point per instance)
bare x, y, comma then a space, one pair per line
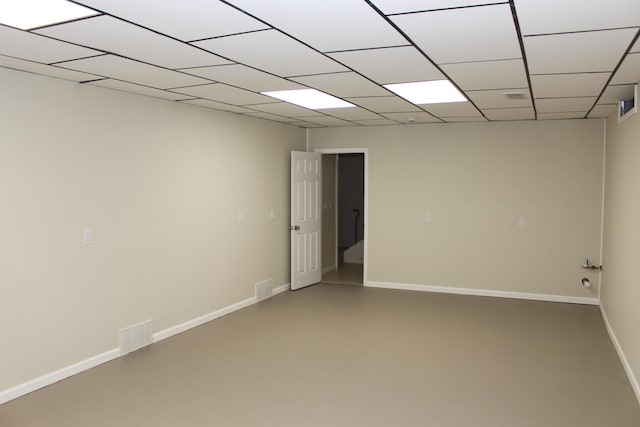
87, 236
427, 218
272, 213
521, 222
240, 216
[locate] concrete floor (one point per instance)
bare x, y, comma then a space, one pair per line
332, 355
346, 274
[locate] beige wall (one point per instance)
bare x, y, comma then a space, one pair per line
476, 180
620, 296
160, 184
329, 246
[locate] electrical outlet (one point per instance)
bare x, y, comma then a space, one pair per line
521, 222
87, 236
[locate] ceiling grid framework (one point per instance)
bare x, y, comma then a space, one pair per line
562, 60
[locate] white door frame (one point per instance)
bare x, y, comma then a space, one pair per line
364, 151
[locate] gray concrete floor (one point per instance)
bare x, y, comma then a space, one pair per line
332, 355
346, 274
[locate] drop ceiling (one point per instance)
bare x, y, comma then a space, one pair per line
570, 58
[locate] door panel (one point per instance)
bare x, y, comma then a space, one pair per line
306, 218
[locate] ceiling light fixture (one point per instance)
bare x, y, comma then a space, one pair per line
309, 98
431, 92
29, 14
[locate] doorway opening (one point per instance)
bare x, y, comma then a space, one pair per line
344, 225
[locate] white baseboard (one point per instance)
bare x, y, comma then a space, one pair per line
623, 358
329, 269
281, 289
59, 375
174, 330
76, 368
483, 292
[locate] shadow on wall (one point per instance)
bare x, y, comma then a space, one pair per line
350, 199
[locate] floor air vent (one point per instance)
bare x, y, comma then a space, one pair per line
264, 289
135, 337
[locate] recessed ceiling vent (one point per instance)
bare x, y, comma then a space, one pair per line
512, 96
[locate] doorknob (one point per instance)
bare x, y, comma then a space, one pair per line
294, 227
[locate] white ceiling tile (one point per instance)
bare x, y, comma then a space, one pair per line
283, 109
474, 41
523, 113
132, 71
224, 93
352, 114
488, 75
629, 71
119, 37
45, 70
412, 117
553, 16
381, 65
496, 98
217, 105
453, 109
32, 47
471, 34
273, 117
577, 52
138, 89
602, 110
561, 105
384, 104
183, 19
343, 84
244, 77
377, 122
615, 94
327, 25
561, 116
464, 119
328, 121
404, 6
272, 51
568, 85
306, 124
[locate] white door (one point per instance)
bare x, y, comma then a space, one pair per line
306, 218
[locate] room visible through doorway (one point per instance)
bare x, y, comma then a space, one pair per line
343, 227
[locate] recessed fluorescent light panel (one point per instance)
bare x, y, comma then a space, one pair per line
309, 98
433, 92
29, 14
